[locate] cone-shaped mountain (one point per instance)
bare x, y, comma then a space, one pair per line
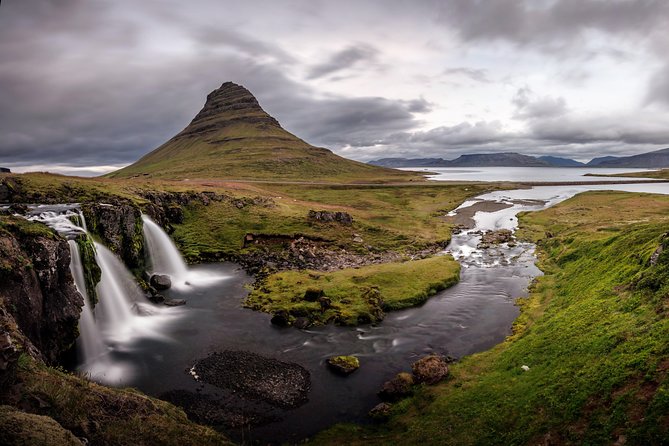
232, 137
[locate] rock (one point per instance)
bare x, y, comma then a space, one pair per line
20, 428
278, 383
281, 318
18, 208
430, 369
325, 302
313, 294
380, 412
525, 368
160, 281
174, 302
358, 240
301, 323
37, 286
157, 298
397, 388
343, 365
5, 170
495, 238
331, 217
119, 226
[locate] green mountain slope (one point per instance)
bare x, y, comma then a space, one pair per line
232, 137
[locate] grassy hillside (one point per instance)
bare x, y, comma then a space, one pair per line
594, 333
234, 138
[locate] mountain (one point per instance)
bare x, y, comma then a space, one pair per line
556, 161
232, 137
509, 159
656, 159
598, 161
407, 162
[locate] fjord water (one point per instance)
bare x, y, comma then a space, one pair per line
525, 174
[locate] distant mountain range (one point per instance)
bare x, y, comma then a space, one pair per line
656, 159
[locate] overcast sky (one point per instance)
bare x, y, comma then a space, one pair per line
91, 85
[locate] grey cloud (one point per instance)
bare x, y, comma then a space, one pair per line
475, 74
344, 59
658, 90
528, 106
527, 22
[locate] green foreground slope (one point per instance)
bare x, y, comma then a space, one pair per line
594, 333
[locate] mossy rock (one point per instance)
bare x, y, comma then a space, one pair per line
313, 294
343, 365
25, 429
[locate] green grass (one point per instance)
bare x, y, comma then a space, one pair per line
594, 332
359, 295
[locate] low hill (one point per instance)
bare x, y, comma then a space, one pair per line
656, 159
557, 161
232, 137
508, 159
597, 162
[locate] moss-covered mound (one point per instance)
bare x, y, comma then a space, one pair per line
356, 295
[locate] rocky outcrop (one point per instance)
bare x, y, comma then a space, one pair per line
430, 369
37, 287
397, 388
331, 217
119, 226
278, 383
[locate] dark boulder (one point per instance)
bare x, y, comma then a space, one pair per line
397, 388
301, 323
259, 377
281, 318
430, 369
160, 282
380, 412
157, 298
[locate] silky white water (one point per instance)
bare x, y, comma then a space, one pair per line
90, 344
165, 258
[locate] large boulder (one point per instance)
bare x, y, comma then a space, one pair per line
430, 369
397, 388
160, 281
343, 365
276, 382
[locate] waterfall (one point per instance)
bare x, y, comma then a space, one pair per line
163, 253
89, 343
117, 290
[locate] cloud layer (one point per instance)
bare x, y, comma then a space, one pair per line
89, 86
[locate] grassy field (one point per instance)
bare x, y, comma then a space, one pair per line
354, 296
662, 174
594, 333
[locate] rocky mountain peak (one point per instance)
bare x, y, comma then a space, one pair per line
230, 104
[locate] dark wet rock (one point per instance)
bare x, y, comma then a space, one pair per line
227, 412
301, 323
430, 369
157, 298
313, 294
174, 302
331, 217
160, 282
343, 365
380, 412
20, 428
37, 287
278, 383
119, 226
490, 238
397, 388
18, 208
281, 318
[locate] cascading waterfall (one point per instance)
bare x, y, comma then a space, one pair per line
163, 253
122, 316
166, 259
90, 343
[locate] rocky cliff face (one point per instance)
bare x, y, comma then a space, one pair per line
37, 288
119, 225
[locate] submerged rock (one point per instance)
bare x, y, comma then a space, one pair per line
281, 318
278, 383
343, 365
160, 281
430, 369
174, 302
397, 388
